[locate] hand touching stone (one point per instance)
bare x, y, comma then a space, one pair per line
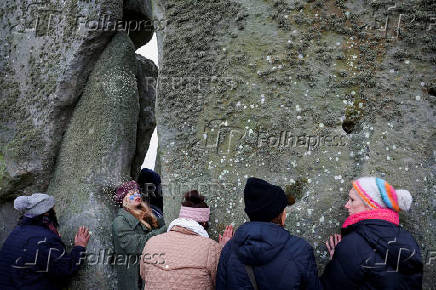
82, 237
331, 243
226, 236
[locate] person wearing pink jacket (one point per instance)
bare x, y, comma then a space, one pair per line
184, 257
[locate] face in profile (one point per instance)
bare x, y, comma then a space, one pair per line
355, 204
132, 198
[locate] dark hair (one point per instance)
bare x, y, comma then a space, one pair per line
278, 219
194, 199
42, 219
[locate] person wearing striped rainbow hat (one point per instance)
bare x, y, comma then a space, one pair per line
373, 250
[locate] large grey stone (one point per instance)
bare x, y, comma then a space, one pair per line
96, 155
269, 69
146, 79
46, 54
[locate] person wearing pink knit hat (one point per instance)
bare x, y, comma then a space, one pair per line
184, 257
373, 250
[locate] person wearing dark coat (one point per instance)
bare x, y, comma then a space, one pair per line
373, 251
262, 254
33, 256
150, 183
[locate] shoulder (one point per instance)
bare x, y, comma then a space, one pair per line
120, 222
407, 238
299, 245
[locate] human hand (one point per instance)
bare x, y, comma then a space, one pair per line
331, 243
227, 235
82, 237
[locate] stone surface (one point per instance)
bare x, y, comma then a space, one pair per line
66, 130
252, 88
97, 153
47, 53
146, 79
306, 94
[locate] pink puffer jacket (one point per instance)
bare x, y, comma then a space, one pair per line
186, 261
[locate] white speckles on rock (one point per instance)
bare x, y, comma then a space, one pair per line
297, 108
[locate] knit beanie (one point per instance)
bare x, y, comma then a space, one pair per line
146, 178
263, 201
123, 190
34, 205
377, 193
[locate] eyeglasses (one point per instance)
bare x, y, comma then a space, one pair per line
135, 195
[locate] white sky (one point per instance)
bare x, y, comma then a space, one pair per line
150, 51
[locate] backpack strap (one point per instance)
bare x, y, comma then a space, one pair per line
250, 273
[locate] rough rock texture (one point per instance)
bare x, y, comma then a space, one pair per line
146, 78
306, 94
65, 130
97, 152
47, 53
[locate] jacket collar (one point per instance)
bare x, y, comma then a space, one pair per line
379, 213
189, 224
131, 220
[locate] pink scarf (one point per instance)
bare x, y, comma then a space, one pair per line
379, 213
197, 214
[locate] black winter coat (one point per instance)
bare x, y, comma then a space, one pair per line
279, 260
33, 257
374, 254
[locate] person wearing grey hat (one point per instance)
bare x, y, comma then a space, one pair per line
33, 256
262, 254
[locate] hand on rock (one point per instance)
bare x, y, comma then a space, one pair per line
82, 237
226, 236
331, 243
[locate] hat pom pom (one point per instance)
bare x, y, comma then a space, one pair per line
21, 203
404, 199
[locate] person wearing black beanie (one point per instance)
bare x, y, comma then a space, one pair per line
263, 201
262, 254
150, 183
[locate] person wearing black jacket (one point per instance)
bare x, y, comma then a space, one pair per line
374, 252
150, 183
262, 254
33, 256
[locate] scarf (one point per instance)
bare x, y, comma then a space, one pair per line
189, 224
379, 213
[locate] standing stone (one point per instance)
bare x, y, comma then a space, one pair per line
46, 54
305, 94
146, 78
96, 155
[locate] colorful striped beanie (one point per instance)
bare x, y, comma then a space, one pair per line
377, 193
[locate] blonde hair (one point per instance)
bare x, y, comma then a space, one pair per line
144, 214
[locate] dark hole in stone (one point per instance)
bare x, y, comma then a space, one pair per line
294, 192
138, 26
432, 91
348, 126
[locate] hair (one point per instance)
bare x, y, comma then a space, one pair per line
278, 219
194, 199
144, 214
43, 219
